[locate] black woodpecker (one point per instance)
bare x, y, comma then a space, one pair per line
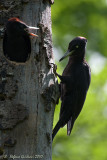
74, 85
16, 41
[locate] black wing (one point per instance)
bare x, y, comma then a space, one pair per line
75, 101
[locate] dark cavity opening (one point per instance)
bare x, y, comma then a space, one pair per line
17, 49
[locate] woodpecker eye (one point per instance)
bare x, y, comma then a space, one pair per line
77, 46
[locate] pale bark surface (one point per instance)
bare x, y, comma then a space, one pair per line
29, 91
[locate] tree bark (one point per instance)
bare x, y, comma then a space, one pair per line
28, 91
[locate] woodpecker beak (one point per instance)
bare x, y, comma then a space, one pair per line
68, 53
31, 28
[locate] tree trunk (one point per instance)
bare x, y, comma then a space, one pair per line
28, 91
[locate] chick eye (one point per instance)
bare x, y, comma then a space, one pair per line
77, 46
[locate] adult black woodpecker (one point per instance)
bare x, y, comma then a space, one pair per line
74, 85
16, 41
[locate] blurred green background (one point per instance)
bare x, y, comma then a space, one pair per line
88, 18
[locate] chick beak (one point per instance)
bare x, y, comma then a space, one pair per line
31, 28
32, 34
66, 55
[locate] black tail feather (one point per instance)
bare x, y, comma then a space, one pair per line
56, 129
70, 124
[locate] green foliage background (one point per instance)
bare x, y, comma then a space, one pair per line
86, 18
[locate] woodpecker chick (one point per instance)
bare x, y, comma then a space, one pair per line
74, 85
16, 41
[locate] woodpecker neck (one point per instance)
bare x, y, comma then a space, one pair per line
78, 57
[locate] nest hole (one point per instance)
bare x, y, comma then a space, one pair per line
17, 50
